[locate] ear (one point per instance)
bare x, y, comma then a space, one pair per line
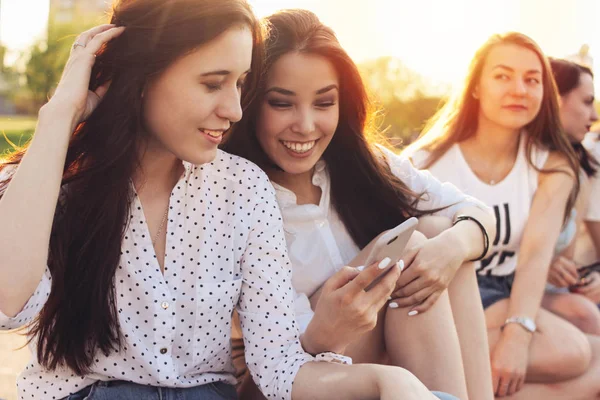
475, 92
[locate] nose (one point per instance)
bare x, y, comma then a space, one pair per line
519, 87
594, 117
304, 122
230, 106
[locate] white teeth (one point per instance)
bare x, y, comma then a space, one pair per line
299, 147
214, 134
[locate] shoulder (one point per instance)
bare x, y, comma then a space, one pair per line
238, 172
557, 172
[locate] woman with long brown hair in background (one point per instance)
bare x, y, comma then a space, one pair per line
309, 128
570, 296
128, 238
500, 139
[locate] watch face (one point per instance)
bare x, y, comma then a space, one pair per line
529, 324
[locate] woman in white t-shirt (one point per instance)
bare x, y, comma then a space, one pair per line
308, 129
499, 139
573, 298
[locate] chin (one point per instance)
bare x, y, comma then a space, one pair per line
199, 157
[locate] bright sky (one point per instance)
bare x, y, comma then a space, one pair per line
434, 37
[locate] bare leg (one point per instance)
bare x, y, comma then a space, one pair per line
575, 308
558, 351
468, 318
471, 327
584, 387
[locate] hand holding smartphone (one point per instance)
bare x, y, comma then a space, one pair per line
390, 244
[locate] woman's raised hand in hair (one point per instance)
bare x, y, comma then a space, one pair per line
72, 95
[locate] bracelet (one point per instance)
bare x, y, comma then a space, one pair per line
333, 358
486, 239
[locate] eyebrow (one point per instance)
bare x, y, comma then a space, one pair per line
531, 71
290, 93
222, 72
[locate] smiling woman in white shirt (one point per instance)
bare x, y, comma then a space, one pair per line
308, 129
128, 239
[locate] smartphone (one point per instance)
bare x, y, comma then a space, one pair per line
588, 269
390, 244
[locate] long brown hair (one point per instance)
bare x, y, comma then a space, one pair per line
367, 196
80, 316
567, 76
457, 120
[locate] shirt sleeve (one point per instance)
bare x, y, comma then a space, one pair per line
593, 208
592, 213
303, 311
434, 194
266, 307
32, 308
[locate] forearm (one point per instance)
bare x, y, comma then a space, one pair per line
320, 380
528, 289
468, 235
27, 211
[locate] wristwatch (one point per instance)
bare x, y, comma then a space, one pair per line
333, 358
525, 322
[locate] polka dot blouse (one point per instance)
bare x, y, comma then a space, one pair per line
225, 249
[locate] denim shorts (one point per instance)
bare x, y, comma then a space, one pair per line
121, 390
494, 288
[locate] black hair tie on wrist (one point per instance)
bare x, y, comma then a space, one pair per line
486, 239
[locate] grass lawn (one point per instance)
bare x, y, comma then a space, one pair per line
18, 129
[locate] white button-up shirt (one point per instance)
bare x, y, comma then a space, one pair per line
318, 242
225, 248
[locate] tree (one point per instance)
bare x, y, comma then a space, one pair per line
405, 97
47, 58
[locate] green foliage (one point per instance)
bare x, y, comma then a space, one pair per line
404, 96
16, 130
47, 58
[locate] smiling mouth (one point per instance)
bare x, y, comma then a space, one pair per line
299, 147
213, 133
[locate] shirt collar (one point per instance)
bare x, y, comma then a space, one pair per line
287, 198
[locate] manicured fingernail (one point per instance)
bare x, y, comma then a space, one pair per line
413, 313
360, 268
384, 263
393, 305
401, 265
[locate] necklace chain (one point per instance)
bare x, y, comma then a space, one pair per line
160, 227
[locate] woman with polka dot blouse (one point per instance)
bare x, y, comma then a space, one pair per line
308, 129
127, 244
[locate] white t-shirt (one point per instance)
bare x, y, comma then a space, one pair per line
592, 144
511, 200
318, 242
225, 249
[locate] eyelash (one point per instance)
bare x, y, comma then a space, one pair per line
283, 105
213, 87
506, 77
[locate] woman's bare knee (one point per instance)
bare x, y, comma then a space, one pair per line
560, 352
577, 309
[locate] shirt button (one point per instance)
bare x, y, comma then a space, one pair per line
164, 305
163, 350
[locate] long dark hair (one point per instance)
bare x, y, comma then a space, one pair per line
567, 75
457, 120
368, 197
80, 316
